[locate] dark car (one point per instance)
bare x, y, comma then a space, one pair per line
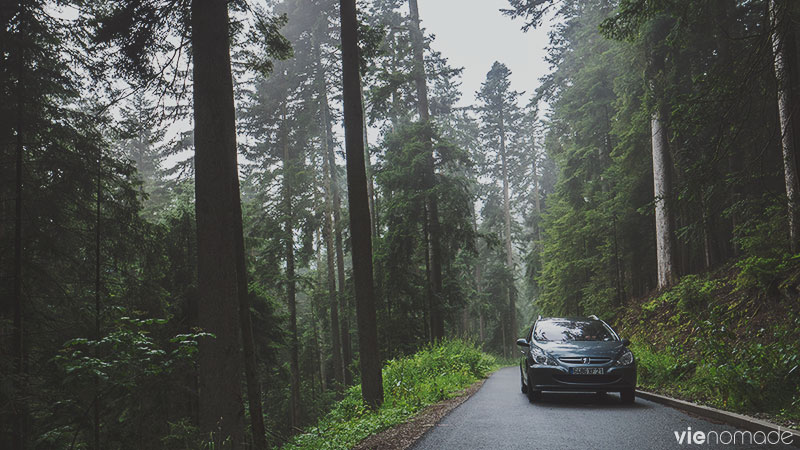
576, 354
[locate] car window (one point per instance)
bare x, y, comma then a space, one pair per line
572, 330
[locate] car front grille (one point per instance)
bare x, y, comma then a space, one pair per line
584, 360
587, 379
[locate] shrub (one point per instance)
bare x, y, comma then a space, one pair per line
653, 368
409, 384
758, 273
757, 372
691, 295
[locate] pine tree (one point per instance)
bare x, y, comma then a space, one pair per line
500, 117
221, 409
784, 49
371, 381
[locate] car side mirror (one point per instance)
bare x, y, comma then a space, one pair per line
523, 343
626, 342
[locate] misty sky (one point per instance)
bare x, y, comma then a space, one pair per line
473, 34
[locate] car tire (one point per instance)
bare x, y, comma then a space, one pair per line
628, 396
523, 387
533, 395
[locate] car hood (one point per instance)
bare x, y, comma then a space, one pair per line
607, 349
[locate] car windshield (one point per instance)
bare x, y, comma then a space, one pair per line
572, 330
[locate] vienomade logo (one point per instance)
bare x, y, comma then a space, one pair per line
774, 437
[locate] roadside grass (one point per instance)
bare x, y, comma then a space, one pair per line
509, 360
723, 340
435, 373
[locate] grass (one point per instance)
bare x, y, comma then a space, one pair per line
410, 384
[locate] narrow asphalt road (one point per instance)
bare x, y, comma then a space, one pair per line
499, 417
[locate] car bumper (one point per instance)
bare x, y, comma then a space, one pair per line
558, 378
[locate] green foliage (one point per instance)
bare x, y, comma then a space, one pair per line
716, 344
746, 375
724, 334
401, 252
730, 341
691, 295
409, 384
653, 368
183, 435
614, 63
597, 246
432, 374
122, 370
764, 244
758, 273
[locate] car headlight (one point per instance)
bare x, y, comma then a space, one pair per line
626, 358
540, 357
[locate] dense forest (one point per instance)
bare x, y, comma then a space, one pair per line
216, 217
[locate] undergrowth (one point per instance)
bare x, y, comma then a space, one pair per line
729, 340
433, 374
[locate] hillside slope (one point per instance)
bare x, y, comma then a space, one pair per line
729, 339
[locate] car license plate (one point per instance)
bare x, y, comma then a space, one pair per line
586, 370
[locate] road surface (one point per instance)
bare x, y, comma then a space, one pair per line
499, 417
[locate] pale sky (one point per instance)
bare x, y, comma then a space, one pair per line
473, 34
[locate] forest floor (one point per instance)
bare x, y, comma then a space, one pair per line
729, 339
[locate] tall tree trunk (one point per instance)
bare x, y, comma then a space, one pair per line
617, 264
725, 20
709, 245
291, 292
537, 198
503, 335
336, 345
245, 321
418, 44
97, 306
221, 408
430, 305
190, 293
328, 166
465, 322
666, 258
373, 210
512, 307
478, 282
395, 120
662, 187
783, 47
318, 361
434, 228
344, 310
373, 213
480, 327
19, 432
317, 352
371, 379
317, 344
